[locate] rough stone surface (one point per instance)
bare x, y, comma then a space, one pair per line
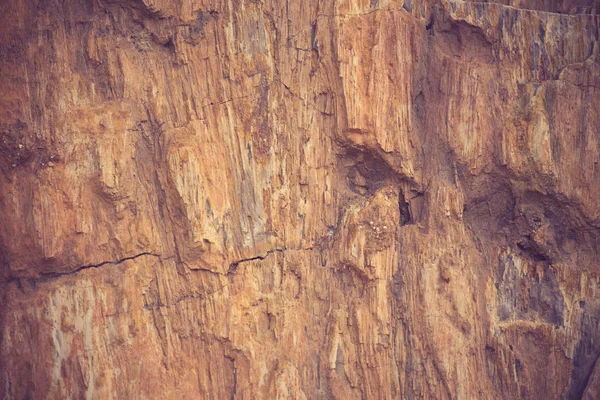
299, 199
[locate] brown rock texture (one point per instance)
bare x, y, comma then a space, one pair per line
269, 199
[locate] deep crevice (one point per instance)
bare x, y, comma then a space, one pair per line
404, 209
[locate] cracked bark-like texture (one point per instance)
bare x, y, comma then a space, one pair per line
299, 199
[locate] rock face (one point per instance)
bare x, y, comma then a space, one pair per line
299, 199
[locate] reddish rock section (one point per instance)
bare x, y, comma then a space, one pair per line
317, 199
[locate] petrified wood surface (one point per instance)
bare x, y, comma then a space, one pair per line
351, 199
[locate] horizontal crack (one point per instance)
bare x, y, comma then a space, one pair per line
50, 276
532, 10
204, 296
233, 266
122, 260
